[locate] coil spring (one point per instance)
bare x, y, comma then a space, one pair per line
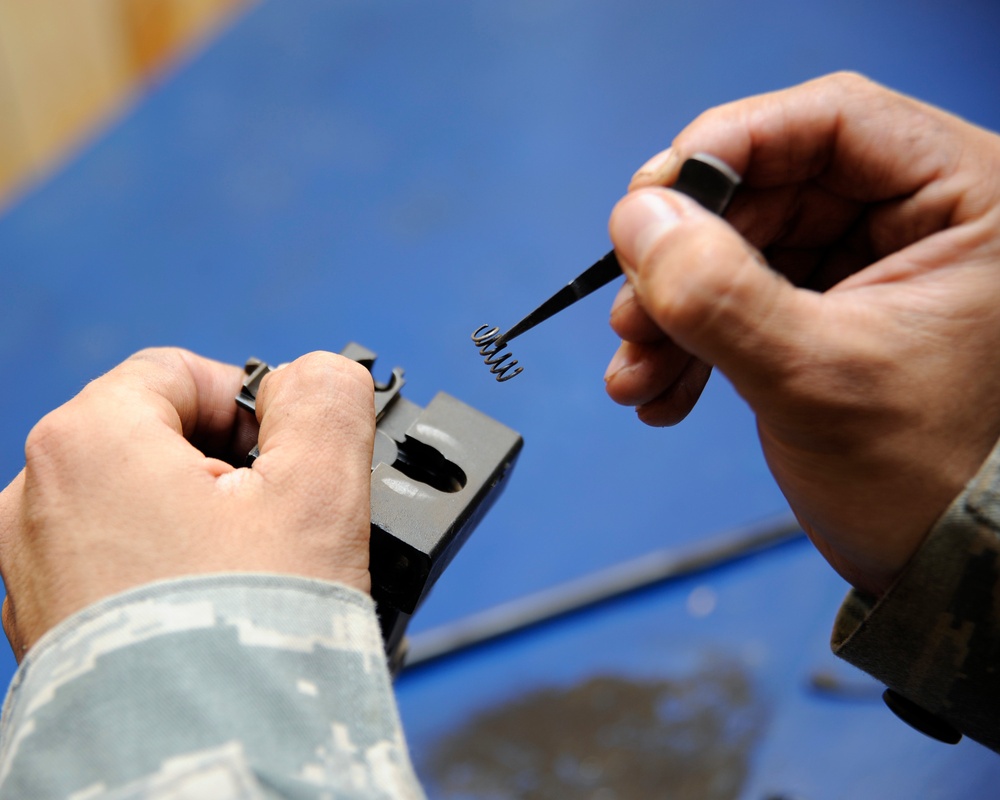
484, 336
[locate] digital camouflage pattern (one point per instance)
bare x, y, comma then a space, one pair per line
221, 687
265, 686
934, 637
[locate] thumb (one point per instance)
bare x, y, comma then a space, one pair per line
706, 287
317, 428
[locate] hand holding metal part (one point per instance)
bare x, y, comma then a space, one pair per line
702, 177
435, 472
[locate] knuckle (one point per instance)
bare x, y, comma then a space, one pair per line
710, 117
318, 366
50, 435
158, 354
153, 369
316, 371
851, 80
322, 374
846, 86
168, 359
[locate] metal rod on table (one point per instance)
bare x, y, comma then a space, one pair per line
657, 567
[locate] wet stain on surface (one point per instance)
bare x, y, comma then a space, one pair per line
608, 738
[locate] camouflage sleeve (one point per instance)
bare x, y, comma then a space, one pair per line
224, 686
934, 637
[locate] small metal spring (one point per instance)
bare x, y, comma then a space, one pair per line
484, 336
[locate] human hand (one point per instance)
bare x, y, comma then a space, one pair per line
868, 349
122, 485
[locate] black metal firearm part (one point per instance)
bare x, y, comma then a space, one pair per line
436, 471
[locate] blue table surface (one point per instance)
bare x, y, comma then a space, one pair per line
398, 174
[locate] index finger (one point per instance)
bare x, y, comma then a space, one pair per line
841, 167
193, 395
857, 138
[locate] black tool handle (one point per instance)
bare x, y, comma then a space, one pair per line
703, 177
708, 180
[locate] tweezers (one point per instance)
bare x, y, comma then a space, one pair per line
704, 178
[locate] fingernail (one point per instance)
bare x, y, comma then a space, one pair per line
642, 220
619, 361
658, 169
625, 296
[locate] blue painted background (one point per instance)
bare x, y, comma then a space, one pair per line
400, 173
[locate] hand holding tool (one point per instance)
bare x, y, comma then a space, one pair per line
702, 177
